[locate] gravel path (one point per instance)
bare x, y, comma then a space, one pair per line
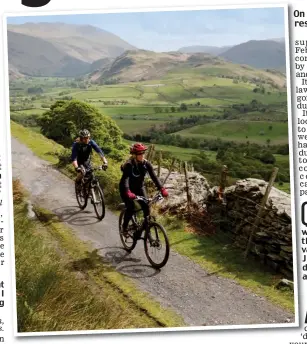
182, 285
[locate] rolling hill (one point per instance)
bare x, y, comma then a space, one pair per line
204, 49
268, 53
36, 57
137, 65
84, 42
142, 65
58, 49
259, 54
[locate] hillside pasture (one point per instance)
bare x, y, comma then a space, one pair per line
136, 126
240, 131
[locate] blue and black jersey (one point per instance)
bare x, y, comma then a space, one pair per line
82, 152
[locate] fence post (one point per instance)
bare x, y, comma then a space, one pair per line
222, 185
180, 166
149, 153
159, 162
187, 185
261, 209
170, 170
152, 153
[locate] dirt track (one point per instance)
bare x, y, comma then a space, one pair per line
181, 285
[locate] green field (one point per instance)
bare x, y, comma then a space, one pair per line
36, 111
190, 85
136, 126
184, 154
125, 110
241, 131
107, 92
181, 153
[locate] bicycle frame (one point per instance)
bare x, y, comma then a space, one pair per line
91, 181
158, 197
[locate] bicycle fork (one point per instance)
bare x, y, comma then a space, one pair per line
94, 199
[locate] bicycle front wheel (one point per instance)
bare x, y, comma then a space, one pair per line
98, 202
128, 239
81, 195
156, 245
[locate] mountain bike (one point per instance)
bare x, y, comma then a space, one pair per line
153, 240
89, 188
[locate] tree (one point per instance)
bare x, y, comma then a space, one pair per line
267, 158
35, 90
66, 117
173, 109
183, 107
220, 155
157, 109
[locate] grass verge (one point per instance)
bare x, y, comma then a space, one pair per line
63, 286
216, 256
41, 146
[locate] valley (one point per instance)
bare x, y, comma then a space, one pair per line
192, 105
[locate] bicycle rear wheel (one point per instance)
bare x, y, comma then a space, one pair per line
81, 195
156, 245
98, 202
128, 240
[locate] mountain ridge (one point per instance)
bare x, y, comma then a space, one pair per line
61, 49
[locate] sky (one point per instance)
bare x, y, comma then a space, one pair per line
171, 30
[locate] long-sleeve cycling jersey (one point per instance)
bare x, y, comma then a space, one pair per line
134, 174
82, 152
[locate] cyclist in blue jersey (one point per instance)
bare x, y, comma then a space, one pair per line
81, 153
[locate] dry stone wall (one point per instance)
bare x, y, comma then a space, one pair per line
272, 241
176, 187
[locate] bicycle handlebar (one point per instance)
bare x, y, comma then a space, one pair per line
98, 168
154, 199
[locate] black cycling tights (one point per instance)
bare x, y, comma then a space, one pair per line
130, 207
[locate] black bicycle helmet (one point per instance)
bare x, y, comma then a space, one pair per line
84, 133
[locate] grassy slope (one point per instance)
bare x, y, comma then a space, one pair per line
71, 288
240, 131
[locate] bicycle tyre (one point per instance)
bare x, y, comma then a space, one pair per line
82, 205
123, 239
167, 245
101, 215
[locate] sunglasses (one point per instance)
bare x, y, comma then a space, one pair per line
140, 153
